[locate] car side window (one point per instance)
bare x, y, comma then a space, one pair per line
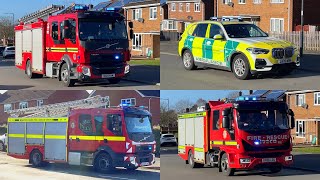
200, 30
54, 30
214, 30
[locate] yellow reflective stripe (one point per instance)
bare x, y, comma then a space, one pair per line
16, 135
218, 142
199, 149
38, 119
190, 115
35, 136
56, 49
231, 143
99, 138
181, 147
55, 137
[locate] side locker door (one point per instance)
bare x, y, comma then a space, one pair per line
218, 46
198, 50
113, 134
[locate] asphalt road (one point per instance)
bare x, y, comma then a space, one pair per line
16, 169
174, 76
12, 78
173, 167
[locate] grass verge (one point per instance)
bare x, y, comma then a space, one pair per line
308, 149
150, 62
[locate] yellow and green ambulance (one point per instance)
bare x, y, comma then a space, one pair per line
240, 47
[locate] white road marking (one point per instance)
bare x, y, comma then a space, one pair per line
114, 177
171, 54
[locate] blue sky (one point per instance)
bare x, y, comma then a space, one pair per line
193, 95
24, 7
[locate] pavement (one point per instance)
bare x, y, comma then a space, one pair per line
140, 77
174, 76
17, 169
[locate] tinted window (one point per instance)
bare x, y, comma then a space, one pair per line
200, 30
216, 115
114, 124
54, 30
85, 123
214, 30
98, 123
168, 135
11, 48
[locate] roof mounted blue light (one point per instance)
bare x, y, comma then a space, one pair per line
247, 98
80, 7
112, 9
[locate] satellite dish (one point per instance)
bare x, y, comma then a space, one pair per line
305, 106
141, 20
230, 4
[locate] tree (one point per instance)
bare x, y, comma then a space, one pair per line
201, 102
181, 105
6, 28
167, 117
233, 95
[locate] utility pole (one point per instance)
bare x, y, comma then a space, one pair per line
302, 29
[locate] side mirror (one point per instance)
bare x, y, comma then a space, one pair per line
293, 123
226, 122
226, 112
218, 37
65, 29
130, 24
131, 34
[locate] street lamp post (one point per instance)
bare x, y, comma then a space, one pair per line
302, 30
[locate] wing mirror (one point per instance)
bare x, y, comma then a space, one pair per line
218, 37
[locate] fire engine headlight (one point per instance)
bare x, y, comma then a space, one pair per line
86, 71
288, 158
258, 51
245, 160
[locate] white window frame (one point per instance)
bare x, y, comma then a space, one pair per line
187, 7
23, 105
39, 102
277, 1
173, 6
317, 99
273, 24
302, 133
136, 47
136, 14
161, 11
257, 2
226, 1
300, 97
197, 7
180, 7
241, 1
5, 107
129, 101
153, 12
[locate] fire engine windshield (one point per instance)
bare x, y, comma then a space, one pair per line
262, 120
138, 123
102, 30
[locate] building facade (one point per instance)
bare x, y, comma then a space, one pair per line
306, 106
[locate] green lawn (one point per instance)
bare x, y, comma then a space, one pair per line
307, 149
150, 62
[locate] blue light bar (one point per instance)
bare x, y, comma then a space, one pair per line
80, 7
241, 98
112, 9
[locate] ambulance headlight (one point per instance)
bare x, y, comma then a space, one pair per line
86, 71
245, 161
258, 51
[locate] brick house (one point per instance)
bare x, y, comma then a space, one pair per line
150, 99
145, 16
183, 12
17, 99
271, 15
306, 106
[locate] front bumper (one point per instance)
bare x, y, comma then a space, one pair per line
138, 160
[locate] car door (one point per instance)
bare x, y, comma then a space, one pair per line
215, 47
199, 35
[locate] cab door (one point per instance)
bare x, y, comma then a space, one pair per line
215, 47
199, 36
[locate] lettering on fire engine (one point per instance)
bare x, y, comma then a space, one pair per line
268, 139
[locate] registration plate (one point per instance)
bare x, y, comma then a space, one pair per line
284, 61
145, 164
269, 160
108, 75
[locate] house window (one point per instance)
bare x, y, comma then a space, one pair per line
129, 101
256, 1
276, 24
300, 99
277, 1
242, 1
173, 6
85, 124
180, 7
196, 7
23, 105
188, 7
7, 107
169, 25
226, 1
317, 98
161, 11
300, 128
153, 13
137, 42
136, 14
39, 103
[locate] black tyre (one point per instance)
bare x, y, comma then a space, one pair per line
2, 146
36, 158
114, 80
191, 161
224, 165
65, 76
29, 70
275, 169
188, 60
103, 163
241, 67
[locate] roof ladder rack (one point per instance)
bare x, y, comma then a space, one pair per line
43, 13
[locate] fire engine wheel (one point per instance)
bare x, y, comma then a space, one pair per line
103, 163
29, 70
2, 147
241, 67
114, 80
188, 60
191, 161
36, 158
65, 76
226, 170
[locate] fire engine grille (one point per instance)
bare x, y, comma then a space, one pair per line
266, 155
144, 148
280, 53
248, 147
106, 64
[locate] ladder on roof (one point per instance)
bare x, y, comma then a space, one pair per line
61, 109
68, 9
43, 13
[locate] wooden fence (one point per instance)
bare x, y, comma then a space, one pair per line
311, 39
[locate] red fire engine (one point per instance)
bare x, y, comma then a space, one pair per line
82, 133
243, 134
77, 45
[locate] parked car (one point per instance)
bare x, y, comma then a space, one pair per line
2, 49
3, 142
9, 52
168, 139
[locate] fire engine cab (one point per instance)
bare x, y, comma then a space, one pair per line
75, 45
82, 133
243, 134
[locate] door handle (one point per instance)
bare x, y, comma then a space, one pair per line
77, 139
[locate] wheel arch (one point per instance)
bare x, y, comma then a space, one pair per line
65, 59
184, 50
232, 58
